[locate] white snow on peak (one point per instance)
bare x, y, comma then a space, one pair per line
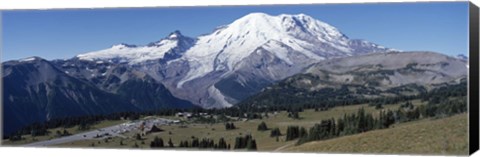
173, 36
132, 54
27, 59
228, 45
120, 46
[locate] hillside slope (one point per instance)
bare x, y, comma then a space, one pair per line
430, 136
36, 90
364, 77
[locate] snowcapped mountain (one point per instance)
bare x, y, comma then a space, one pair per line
132, 54
239, 59
245, 55
227, 46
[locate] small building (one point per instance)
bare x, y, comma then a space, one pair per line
184, 114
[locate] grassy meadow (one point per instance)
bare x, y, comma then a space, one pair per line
445, 136
426, 136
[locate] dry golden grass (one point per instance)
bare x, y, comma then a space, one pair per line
429, 136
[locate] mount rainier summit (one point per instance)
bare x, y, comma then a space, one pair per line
246, 55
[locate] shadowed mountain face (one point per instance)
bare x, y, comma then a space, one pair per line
36, 90
137, 87
364, 77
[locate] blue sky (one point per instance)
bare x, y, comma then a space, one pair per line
59, 34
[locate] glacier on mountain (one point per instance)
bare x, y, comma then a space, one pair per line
133, 54
256, 47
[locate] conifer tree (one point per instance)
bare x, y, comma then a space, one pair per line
262, 127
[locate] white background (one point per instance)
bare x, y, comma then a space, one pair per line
70, 152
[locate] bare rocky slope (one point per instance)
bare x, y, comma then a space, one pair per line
365, 77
